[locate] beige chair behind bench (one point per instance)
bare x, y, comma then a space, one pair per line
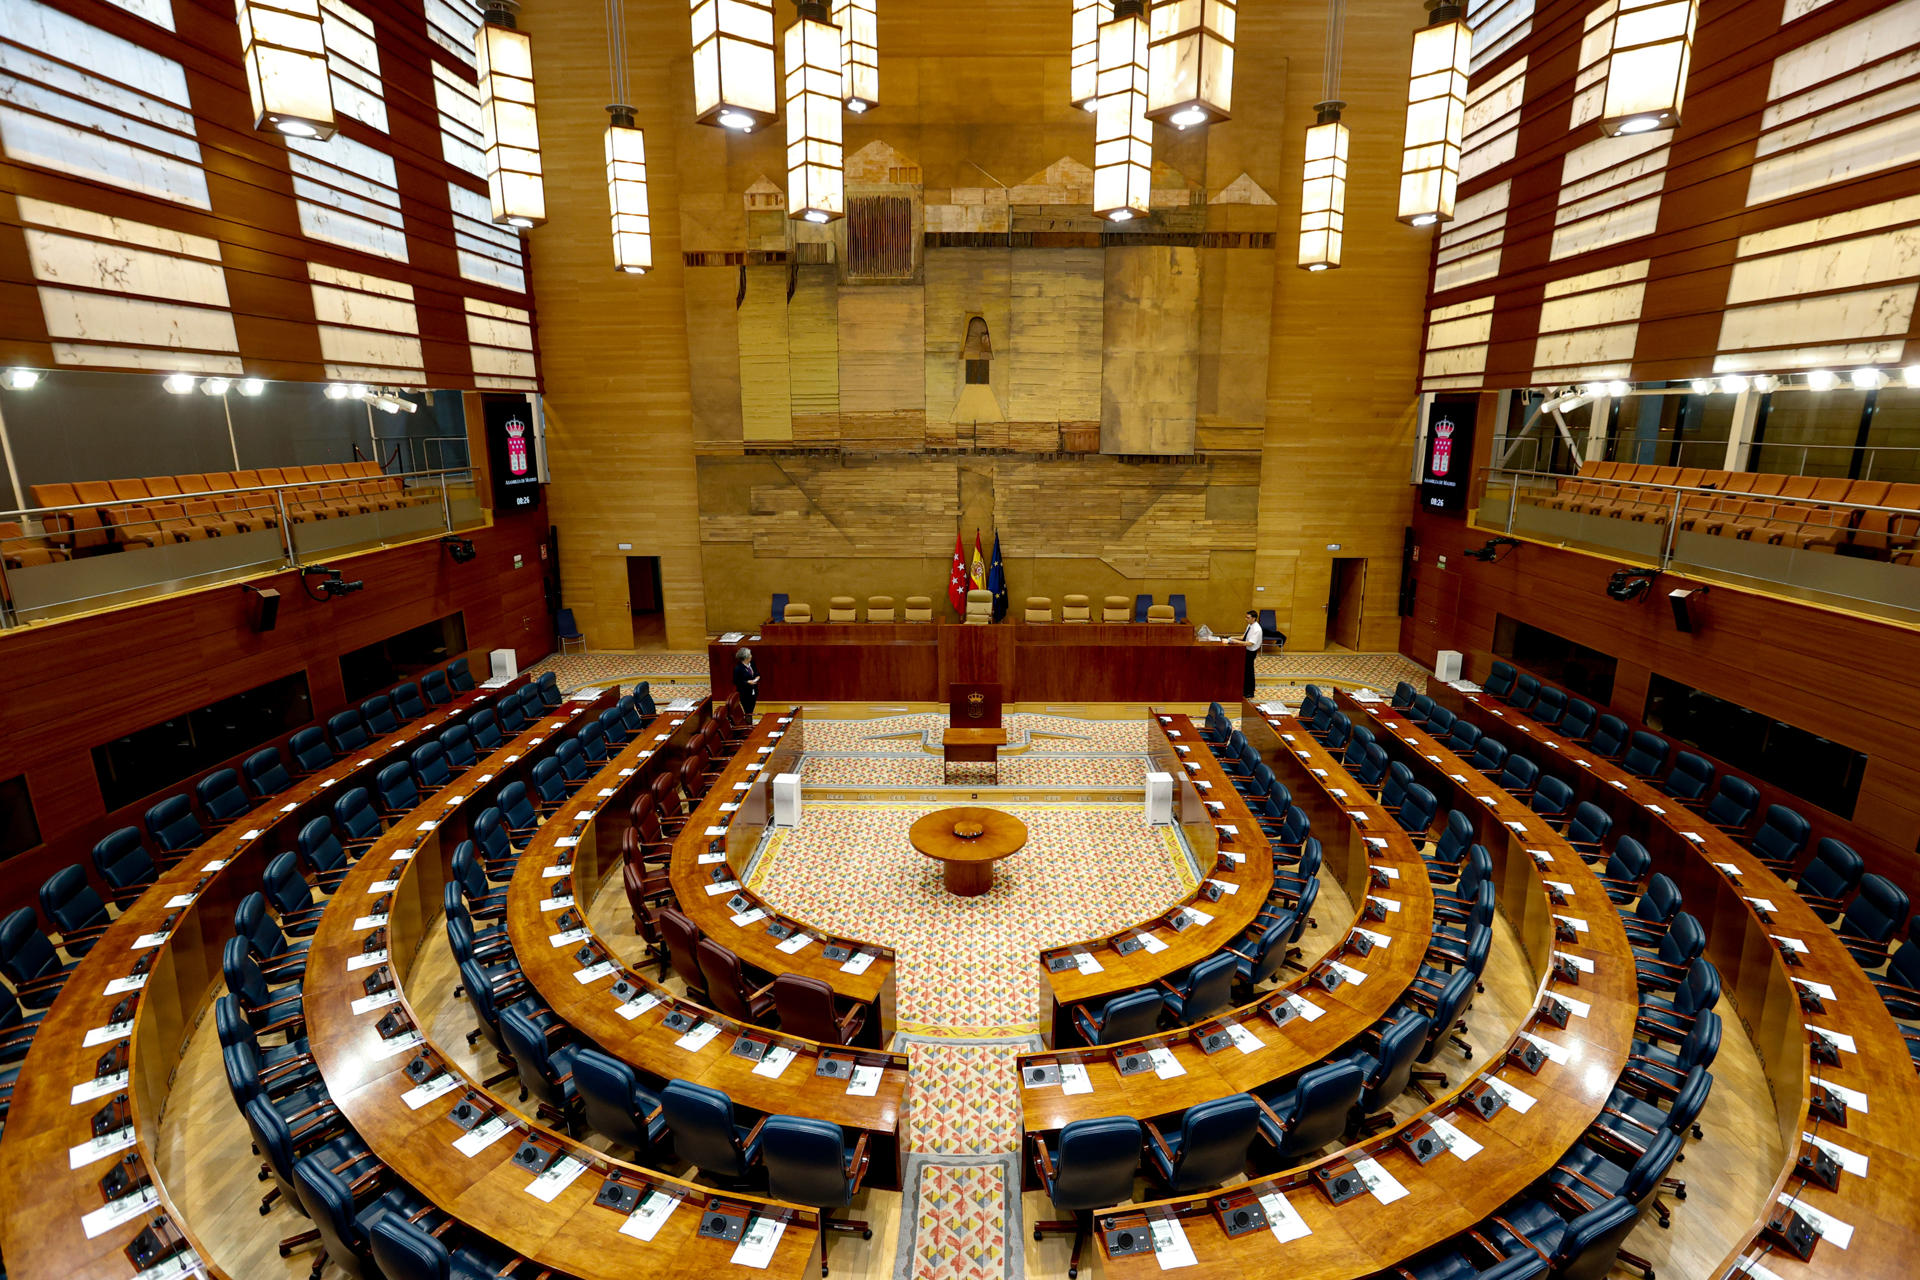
798, 613
979, 606
840, 609
919, 609
1117, 609
1075, 609
1039, 609
879, 608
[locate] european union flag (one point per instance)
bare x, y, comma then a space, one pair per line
997, 581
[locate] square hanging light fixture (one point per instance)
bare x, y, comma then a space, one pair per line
285, 51
1084, 66
627, 194
1647, 68
1436, 115
1323, 190
859, 53
733, 78
1122, 134
1190, 57
815, 178
509, 133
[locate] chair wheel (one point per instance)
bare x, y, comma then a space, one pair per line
867, 1234
1072, 1272
1680, 1194
285, 1252
1036, 1233
264, 1211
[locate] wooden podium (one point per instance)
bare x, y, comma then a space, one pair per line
974, 733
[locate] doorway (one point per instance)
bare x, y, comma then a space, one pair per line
646, 602
1345, 592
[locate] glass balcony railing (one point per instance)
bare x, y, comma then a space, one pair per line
63, 560
1780, 533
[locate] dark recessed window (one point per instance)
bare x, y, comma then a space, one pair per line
1818, 770
375, 667
1584, 672
19, 829
156, 757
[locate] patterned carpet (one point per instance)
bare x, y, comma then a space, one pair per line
960, 1217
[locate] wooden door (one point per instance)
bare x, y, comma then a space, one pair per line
1345, 594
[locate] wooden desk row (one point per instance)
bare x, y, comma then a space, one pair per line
364, 1042
1357, 837
737, 809
1745, 909
587, 1001
51, 1163
1031, 662
1412, 1206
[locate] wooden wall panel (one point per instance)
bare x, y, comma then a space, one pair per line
1054, 335
1847, 678
99, 678
766, 376
713, 353
1150, 367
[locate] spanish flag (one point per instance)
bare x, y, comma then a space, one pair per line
977, 572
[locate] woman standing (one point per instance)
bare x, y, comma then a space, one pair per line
746, 680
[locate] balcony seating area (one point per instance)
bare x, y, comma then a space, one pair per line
1808, 513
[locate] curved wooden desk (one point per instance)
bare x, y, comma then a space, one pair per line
966, 841
1719, 880
1363, 1235
365, 1071
736, 812
1319, 1022
1204, 802
45, 1186
534, 905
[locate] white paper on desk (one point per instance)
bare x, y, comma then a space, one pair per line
88, 1090
1358, 815
750, 916
120, 986
1380, 940
1558, 1053
1338, 791
649, 1215
1194, 766
1541, 857
178, 1267
1391, 873
626, 773
1380, 842
1562, 886
864, 1082
755, 768
382, 886
1385, 1187
1289, 737
1216, 806
1855, 1100
1752, 1267
378, 1000
1243, 1040
1085, 962
793, 944
1233, 857
775, 1062
606, 793
1151, 942
1283, 1219
1183, 749
716, 831
1832, 1230
1521, 827
288, 808
1765, 904
556, 904
1305, 1008
395, 1047
215, 865
1171, 1248
725, 886
1844, 1041
859, 962
1388, 904
1694, 836
1581, 963
402, 855
554, 873
1355, 976
99, 1148
1165, 1065
757, 1244
1074, 1078
1615, 782
1488, 801
1458, 777
1435, 759
148, 940
420, 1095
112, 1031
1578, 1008
1318, 773
699, 1038
366, 960
481, 1136
1852, 1161
1729, 868
570, 937
180, 900
363, 923
594, 972
567, 842
1820, 989
729, 808
557, 1178
1579, 925
1518, 1099
115, 1212
1226, 886
1791, 944
1227, 829
1197, 916
631, 1009
740, 786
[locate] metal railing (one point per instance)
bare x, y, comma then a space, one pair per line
62, 560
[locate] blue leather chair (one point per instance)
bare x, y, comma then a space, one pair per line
433, 688
614, 728
573, 764
355, 822
379, 717
1627, 868
1549, 706
1299, 1121
498, 854
1653, 915
324, 1142
814, 1163
1518, 776
1664, 966
325, 858
431, 768
1629, 1119
1690, 777
1453, 1264
75, 909
123, 861
643, 698
615, 1105
483, 900
1672, 1018
344, 1223
1261, 952
309, 751
1499, 679
268, 1009
1781, 839
484, 724
1394, 791
1127, 1016
1372, 769
1451, 850
1585, 1178
1552, 797
548, 688
1646, 754
347, 731
1867, 926
778, 611
29, 960
1827, 881
1587, 829
460, 675
1416, 811
1440, 721
1208, 1148
221, 796
1446, 1006
567, 631
1609, 737
1403, 696
517, 811
290, 896
705, 1133
1579, 1248
1899, 987
593, 743
1091, 1169
1204, 991
173, 825
1525, 689
279, 957
1577, 721
1457, 903
546, 1069
1388, 1067
406, 1251
513, 712
266, 772
456, 740
1733, 805
395, 791
407, 702
1465, 737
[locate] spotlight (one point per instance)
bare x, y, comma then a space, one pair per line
461, 549
1570, 402
1491, 552
330, 584
252, 386
1120, 215
1639, 124
1424, 220
215, 386
736, 120
1912, 375
1318, 266
1630, 584
814, 215
858, 106
1187, 118
1867, 379
1821, 380
179, 383
359, 390
1617, 388
296, 129
338, 391
1765, 383
1702, 386
1733, 384
22, 379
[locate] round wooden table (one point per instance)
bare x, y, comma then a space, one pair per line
968, 841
